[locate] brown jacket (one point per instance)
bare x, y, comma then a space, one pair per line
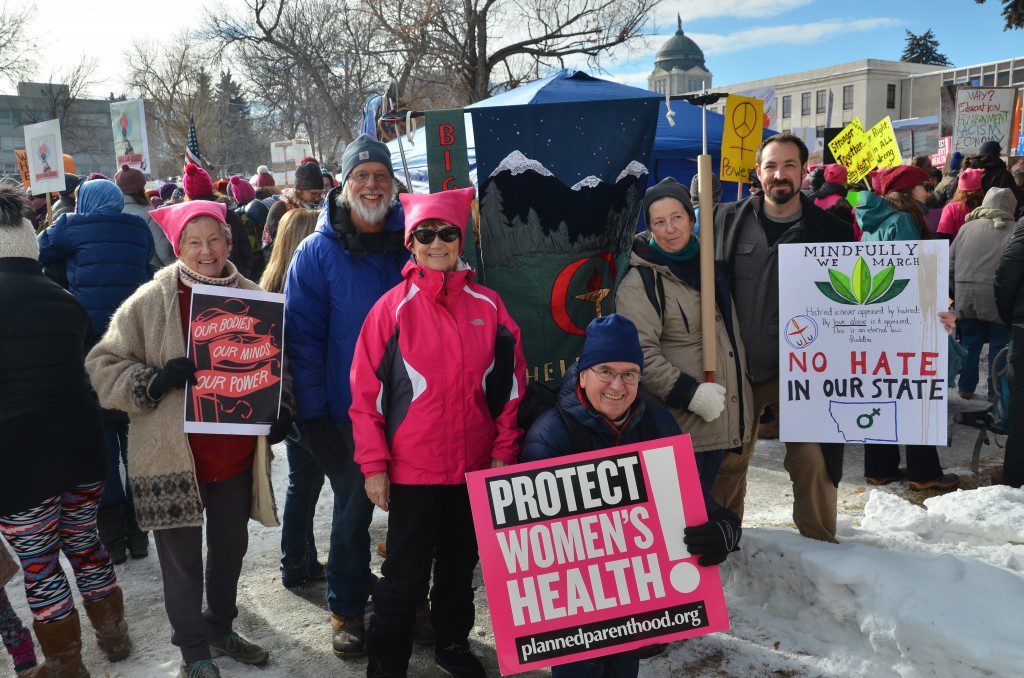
144, 334
672, 353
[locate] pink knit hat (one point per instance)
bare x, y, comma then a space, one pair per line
970, 180
450, 206
835, 174
173, 218
241, 190
197, 182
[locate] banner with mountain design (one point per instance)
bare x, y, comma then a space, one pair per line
561, 186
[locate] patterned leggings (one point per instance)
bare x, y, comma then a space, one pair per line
66, 522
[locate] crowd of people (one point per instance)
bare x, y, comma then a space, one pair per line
403, 373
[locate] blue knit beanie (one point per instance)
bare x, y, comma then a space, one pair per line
956, 161
364, 148
611, 339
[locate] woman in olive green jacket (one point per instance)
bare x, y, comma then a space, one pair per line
661, 295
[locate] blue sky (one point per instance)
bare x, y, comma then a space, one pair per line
750, 39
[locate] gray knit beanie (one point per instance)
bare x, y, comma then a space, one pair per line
716, 190
17, 237
364, 148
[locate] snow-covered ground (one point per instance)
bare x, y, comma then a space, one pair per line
920, 585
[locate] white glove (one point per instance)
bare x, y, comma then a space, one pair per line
709, 401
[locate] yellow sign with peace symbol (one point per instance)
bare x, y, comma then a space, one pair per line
744, 124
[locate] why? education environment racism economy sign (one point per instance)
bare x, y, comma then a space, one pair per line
862, 353
583, 555
236, 339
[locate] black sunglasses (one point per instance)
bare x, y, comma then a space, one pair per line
425, 236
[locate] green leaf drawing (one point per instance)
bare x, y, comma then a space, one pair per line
861, 280
893, 292
841, 285
881, 282
827, 290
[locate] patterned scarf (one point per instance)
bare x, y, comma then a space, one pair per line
190, 277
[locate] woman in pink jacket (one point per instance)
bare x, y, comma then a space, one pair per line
437, 379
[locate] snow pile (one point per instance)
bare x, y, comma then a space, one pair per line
994, 513
869, 611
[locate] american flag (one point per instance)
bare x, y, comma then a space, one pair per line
192, 147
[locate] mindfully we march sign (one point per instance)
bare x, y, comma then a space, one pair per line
583, 555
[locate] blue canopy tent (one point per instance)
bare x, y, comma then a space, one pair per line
676, 147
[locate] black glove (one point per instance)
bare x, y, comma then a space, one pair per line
280, 428
715, 539
325, 444
175, 374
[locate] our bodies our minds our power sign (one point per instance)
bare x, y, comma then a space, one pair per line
236, 342
862, 353
583, 555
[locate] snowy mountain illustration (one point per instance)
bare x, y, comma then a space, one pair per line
526, 210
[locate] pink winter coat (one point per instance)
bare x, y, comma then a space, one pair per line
954, 215
437, 379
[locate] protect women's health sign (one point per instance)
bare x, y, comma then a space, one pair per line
862, 354
583, 555
236, 340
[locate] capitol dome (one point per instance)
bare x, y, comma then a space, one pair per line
679, 52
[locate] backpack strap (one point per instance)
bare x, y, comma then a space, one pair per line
647, 428
654, 288
578, 433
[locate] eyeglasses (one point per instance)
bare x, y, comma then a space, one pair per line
607, 376
927, 187
363, 177
425, 236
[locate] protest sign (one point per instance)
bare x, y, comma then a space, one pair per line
21, 158
982, 114
741, 137
583, 555
883, 144
131, 145
938, 159
236, 342
862, 354
45, 155
852, 150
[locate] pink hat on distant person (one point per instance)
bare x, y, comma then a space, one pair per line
174, 218
197, 182
450, 206
835, 174
241, 190
970, 180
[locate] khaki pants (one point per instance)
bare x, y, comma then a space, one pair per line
814, 495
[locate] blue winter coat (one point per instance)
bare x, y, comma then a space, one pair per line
328, 293
106, 256
549, 437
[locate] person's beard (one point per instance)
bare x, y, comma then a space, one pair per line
372, 215
780, 192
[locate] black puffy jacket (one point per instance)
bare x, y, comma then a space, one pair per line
50, 425
1009, 279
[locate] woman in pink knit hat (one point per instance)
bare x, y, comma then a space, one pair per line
182, 482
437, 378
967, 198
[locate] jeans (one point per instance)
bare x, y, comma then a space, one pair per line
305, 480
348, 564
115, 490
975, 334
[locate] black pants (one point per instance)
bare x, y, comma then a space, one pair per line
180, 551
883, 461
1013, 464
426, 524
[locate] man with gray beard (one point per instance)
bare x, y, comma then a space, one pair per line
354, 256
